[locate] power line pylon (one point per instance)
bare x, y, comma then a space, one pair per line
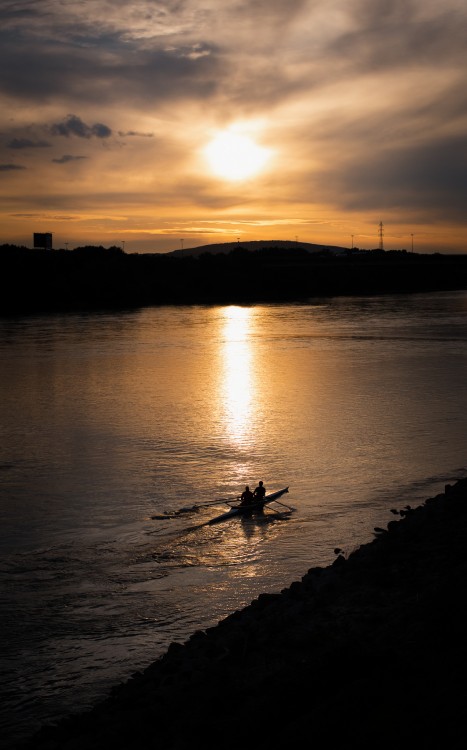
381, 235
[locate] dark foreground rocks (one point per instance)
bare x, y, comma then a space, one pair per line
368, 652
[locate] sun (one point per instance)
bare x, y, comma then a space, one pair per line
235, 156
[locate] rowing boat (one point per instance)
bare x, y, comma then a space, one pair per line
239, 510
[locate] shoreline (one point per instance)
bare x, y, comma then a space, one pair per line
95, 279
369, 650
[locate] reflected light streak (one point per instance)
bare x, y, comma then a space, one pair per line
238, 372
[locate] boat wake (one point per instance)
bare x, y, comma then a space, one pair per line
168, 514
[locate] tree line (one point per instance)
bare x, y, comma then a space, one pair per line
95, 277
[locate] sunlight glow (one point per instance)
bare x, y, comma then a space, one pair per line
235, 156
238, 381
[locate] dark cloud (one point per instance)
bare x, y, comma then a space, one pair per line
266, 17
378, 12
19, 143
170, 75
37, 70
432, 175
91, 64
100, 130
74, 126
131, 133
393, 34
186, 50
102, 68
10, 167
66, 158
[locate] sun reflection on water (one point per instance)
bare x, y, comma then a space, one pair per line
238, 381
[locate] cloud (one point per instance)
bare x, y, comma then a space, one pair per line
44, 216
363, 103
134, 133
248, 52
101, 67
10, 167
431, 175
74, 126
19, 143
27, 216
66, 158
395, 34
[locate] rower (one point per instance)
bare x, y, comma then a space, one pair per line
246, 497
259, 493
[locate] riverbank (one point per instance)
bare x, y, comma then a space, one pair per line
370, 651
99, 279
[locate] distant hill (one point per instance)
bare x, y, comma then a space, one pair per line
227, 247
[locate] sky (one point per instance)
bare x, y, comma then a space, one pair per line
164, 124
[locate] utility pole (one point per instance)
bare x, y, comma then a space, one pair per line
412, 241
381, 234
352, 242
181, 244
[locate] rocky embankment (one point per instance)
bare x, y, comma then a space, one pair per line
368, 652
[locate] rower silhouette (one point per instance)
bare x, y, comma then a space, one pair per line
259, 495
247, 497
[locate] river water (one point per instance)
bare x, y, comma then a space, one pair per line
113, 423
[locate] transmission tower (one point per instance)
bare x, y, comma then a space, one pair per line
381, 234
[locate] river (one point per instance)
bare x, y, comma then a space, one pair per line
114, 425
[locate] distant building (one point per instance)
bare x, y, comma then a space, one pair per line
43, 240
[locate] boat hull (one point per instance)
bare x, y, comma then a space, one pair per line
245, 510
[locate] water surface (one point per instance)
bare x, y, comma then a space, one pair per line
107, 420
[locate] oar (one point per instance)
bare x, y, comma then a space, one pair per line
283, 505
227, 500
214, 502
210, 502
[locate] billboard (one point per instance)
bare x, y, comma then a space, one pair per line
43, 240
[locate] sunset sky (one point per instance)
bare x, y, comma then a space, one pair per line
157, 124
